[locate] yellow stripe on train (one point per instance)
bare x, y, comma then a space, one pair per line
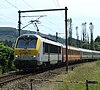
19, 51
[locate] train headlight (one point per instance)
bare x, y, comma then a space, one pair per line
16, 56
34, 56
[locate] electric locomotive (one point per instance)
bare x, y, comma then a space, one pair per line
33, 51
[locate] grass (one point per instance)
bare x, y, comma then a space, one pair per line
87, 71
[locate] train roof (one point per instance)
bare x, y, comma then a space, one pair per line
71, 47
85, 50
46, 40
81, 49
96, 52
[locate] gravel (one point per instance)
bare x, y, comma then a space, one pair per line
38, 83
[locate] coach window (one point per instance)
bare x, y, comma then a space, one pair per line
59, 49
43, 48
46, 47
53, 49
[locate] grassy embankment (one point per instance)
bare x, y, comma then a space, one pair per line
87, 71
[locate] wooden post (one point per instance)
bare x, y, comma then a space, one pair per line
31, 84
87, 85
90, 82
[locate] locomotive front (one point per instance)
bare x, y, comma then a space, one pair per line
26, 51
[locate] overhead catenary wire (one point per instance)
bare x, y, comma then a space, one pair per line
55, 3
12, 5
8, 17
27, 4
54, 24
58, 3
48, 23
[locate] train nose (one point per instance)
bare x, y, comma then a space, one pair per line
26, 51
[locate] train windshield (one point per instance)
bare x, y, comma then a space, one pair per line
26, 43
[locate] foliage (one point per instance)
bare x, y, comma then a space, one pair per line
6, 58
8, 43
86, 45
97, 43
78, 77
97, 39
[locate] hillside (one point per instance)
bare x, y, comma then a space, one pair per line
10, 34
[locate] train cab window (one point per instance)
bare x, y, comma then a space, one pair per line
26, 43
32, 43
21, 43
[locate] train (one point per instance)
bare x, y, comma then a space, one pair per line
32, 51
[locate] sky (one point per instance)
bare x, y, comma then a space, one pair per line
80, 11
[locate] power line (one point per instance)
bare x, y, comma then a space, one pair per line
57, 26
27, 4
11, 4
58, 3
8, 17
55, 3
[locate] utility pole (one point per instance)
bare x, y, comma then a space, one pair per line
84, 33
88, 40
91, 32
56, 36
66, 39
19, 22
77, 36
70, 31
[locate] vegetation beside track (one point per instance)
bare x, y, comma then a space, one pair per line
87, 71
6, 58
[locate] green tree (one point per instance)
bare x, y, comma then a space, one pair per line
97, 43
97, 46
97, 39
5, 53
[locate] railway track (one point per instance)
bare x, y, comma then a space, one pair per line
45, 74
5, 79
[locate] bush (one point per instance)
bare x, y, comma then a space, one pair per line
6, 57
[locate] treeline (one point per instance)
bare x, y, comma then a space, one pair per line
6, 58
97, 43
85, 44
